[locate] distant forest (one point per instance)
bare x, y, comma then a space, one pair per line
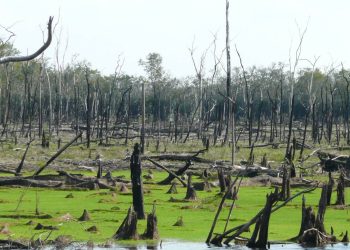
37, 94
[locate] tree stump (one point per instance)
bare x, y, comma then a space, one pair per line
172, 189
340, 190
92, 229
123, 188
190, 193
128, 229
179, 222
99, 163
308, 218
85, 216
329, 188
137, 186
345, 238
222, 182
45, 143
285, 191
152, 226
262, 225
264, 162
207, 186
312, 230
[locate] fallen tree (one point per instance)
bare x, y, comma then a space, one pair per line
232, 233
58, 154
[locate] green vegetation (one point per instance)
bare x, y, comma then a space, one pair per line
108, 209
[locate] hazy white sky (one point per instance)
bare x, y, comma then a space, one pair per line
264, 30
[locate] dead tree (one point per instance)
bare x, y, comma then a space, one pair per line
238, 230
288, 151
312, 231
262, 224
8, 59
169, 171
128, 229
152, 226
57, 154
190, 193
142, 138
20, 166
99, 163
45, 143
88, 109
222, 182
307, 218
179, 172
285, 192
319, 223
229, 109
137, 186
200, 75
329, 188
209, 238
340, 190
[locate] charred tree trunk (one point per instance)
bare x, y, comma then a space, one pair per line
20, 166
308, 218
262, 225
340, 190
142, 141
190, 193
137, 186
319, 223
152, 226
329, 188
285, 192
222, 182
128, 229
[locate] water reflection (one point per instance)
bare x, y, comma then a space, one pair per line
178, 245
181, 245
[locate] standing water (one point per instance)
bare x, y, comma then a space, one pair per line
182, 245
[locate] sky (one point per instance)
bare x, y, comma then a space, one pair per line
264, 31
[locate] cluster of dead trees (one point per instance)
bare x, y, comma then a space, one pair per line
34, 95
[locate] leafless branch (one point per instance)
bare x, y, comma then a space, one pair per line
8, 59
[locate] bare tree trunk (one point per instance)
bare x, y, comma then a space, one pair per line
88, 109
143, 118
304, 134
290, 126
128, 119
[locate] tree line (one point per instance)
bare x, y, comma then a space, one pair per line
37, 95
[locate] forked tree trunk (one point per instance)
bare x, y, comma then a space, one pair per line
262, 225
